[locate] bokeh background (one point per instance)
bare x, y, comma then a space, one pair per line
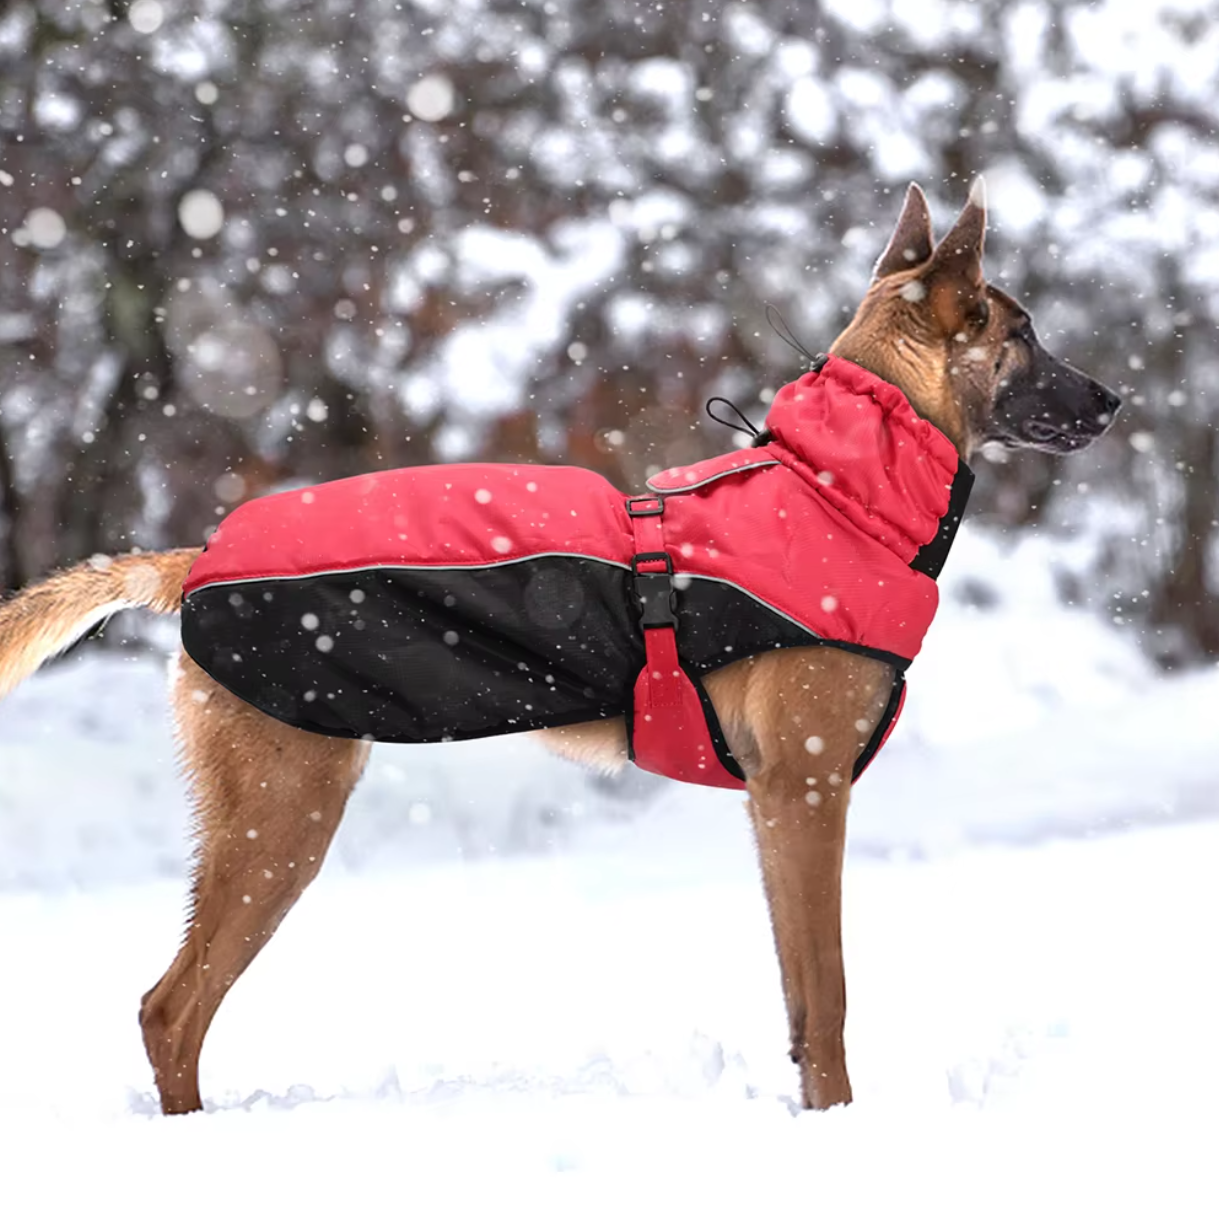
248, 242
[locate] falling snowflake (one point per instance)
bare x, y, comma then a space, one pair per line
146, 16
432, 98
201, 214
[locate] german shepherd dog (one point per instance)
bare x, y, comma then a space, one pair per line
268, 797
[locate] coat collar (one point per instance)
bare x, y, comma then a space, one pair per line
856, 439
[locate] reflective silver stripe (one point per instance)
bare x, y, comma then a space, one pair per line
326, 572
719, 475
678, 574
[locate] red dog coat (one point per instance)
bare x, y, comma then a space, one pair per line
450, 602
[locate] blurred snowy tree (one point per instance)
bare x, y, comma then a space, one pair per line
243, 241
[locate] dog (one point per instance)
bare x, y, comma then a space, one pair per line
268, 797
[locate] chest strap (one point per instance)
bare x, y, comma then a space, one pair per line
673, 729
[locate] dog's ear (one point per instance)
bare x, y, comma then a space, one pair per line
959, 254
953, 277
911, 242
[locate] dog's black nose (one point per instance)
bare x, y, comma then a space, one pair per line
1107, 404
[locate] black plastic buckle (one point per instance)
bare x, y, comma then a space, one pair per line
655, 592
645, 507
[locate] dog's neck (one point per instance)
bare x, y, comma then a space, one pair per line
907, 367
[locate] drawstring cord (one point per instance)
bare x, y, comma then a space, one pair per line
747, 428
774, 317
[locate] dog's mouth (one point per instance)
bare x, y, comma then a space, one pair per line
1064, 439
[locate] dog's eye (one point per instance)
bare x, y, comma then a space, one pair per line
980, 316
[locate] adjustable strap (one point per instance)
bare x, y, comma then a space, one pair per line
673, 728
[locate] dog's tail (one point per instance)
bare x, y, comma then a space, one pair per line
46, 618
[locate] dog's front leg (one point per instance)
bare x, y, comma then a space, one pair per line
801, 832
801, 719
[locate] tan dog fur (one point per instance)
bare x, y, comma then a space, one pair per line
268, 798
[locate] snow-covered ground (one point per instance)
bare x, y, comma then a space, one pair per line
514, 985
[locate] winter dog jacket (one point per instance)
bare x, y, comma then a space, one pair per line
451, 602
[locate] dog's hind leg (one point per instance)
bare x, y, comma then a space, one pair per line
267, 800
809, 714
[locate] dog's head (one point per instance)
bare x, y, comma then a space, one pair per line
963, 351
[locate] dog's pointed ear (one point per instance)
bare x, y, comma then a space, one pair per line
959, 254
911, 242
